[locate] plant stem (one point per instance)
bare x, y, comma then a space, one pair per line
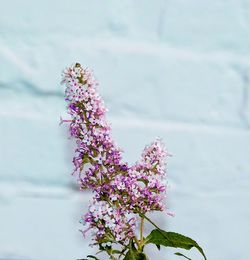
141, 243
137, 242
142, 229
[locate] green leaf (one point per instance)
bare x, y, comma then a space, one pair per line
172, 239
180, 254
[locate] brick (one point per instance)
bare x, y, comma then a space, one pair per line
34, 148
167, 88
219, 25
146, 85
42, 228
83, 18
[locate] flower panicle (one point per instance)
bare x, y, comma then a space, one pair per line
121, 192
88, 125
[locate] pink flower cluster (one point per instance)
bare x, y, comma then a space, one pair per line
143, 187
109, 223
121, 192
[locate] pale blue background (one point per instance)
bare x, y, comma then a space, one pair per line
177, 69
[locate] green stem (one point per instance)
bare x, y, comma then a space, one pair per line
137, 242
141, 229
141, 242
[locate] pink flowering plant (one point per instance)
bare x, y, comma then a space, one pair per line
123, 195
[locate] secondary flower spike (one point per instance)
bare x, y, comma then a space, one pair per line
122, 194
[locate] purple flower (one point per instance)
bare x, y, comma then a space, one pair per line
121, 192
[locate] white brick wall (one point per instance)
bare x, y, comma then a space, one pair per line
176, 69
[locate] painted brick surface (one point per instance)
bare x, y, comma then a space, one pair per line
175, 69
219, 25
